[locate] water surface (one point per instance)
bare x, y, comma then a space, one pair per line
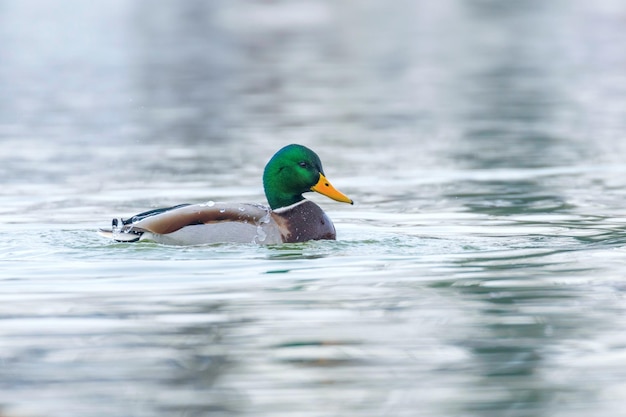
481, 272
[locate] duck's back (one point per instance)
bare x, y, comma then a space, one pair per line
194, 224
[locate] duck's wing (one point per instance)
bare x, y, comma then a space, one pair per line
150, 213
223, 222
122, 230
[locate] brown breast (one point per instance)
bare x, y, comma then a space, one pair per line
304, 221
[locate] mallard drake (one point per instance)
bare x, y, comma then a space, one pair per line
292, 171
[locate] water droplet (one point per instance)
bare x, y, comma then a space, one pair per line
242, 209
222, 210
260, 234
209, 203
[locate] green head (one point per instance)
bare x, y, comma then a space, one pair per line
292, 171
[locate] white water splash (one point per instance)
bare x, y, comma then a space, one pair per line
261, 235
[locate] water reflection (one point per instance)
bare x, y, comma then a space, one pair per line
521, 325
182, 72
513, 91
510, 198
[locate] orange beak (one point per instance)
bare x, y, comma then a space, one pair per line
324, 187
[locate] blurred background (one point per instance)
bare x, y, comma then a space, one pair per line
479, 274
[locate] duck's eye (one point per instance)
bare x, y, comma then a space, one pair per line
303, 164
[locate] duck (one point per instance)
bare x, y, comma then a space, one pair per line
289, 218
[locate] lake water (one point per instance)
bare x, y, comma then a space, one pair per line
481, 272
